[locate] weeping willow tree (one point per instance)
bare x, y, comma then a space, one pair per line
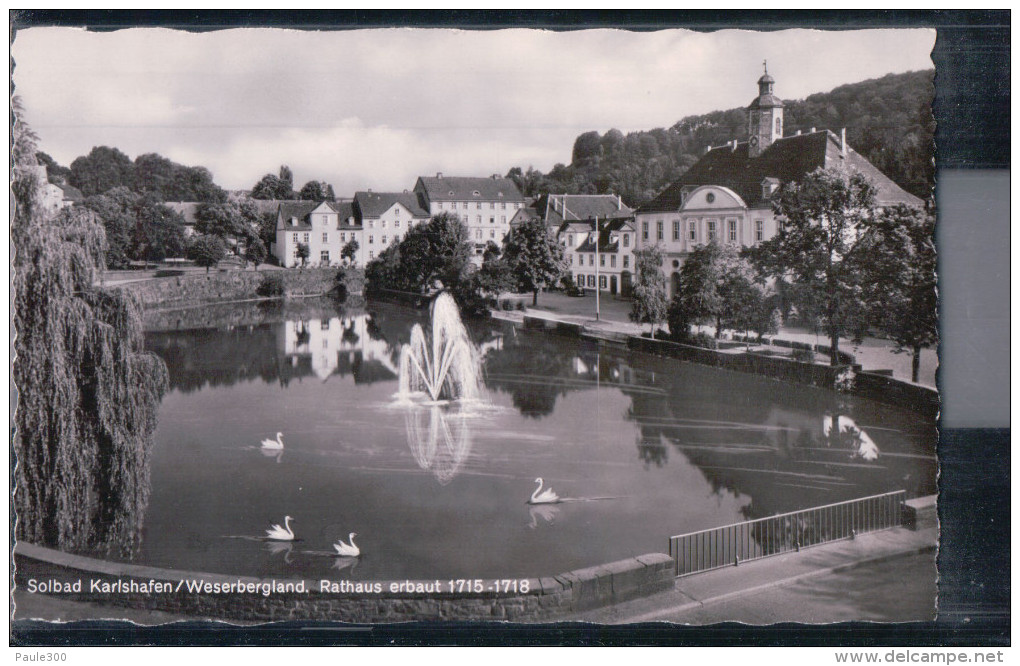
87, 395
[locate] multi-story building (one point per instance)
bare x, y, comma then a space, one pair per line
486, 205
607, 266
382, 219
325, 227
726, 195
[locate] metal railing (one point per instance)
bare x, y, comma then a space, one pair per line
764, 537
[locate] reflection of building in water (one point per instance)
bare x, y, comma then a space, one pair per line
338, 345
440, 440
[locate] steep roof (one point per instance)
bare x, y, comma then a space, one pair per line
565, 207
302, 209
456, 188
787, 159
523, 215
374, 204
605, 236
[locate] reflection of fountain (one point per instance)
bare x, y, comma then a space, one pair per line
447, 371
442, 444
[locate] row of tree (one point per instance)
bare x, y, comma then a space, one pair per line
888, 121
847, 269
281, 186
437, 255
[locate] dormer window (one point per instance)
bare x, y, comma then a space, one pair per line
293, 221
476, 193
768, 187
500, 195
710, 197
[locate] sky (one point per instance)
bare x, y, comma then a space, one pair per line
377, 108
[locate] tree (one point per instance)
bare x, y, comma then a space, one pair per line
315, 190
533, 257
102, 169
436, 252
822, 220
900, 261
207, 251
255, 252
350, 251
711, 276
223, 220
88, 393
303, 252
159, 231
169, 181
56, 172
116, 210
275, 187
650, 302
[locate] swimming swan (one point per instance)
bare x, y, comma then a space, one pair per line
273, 443
347, 550
277, 533
543, 497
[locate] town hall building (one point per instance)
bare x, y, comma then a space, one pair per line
726, 195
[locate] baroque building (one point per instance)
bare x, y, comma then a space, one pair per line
726, 195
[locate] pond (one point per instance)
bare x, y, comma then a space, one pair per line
644, 447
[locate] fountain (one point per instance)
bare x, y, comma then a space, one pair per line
445, 367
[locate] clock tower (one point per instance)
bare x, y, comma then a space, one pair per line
765, 117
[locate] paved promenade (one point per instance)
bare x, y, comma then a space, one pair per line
887, 576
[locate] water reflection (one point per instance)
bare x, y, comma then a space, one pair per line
286, 548
439, 440
547, 512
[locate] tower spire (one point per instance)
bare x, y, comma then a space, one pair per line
765, 64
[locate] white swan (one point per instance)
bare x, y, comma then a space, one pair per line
277, 533
543, 497
273, 443
347, 550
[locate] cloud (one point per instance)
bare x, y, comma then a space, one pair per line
376, 108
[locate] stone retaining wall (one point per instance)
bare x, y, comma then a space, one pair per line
197, 288
919, 399
547, 598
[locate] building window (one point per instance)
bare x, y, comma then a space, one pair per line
626, 240
478, 234
384, 224
676, 230
580, 280
492, 206
759, 230
570, 240
492, 219
325, 238
502, 219
626, 261
692, 231
343, 237
733, 230
371, 224
306, 238
478, 219
396, 238
478, 206
371, 240
591, 280
396, 211
571, 260
612, 261
396, 224
711, 230
295, 238
644, 230
658, 230
463, 205
502, 205
384, 240
492, 233
602, 282
602, 260
324, 257
371, 254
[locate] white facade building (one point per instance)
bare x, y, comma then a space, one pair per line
486, 205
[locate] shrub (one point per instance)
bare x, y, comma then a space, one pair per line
803, 355
271, 286
702, 339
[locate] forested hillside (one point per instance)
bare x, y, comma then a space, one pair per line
888, 120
